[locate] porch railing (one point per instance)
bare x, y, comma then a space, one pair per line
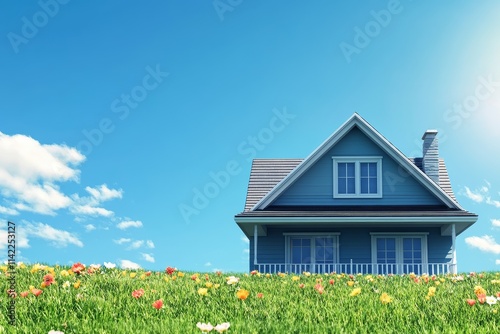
358, 268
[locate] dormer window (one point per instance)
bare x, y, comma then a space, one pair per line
357, 177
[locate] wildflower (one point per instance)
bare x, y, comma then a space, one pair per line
242, 294
431, 292
55, 332
481, 297
318, 287
254, 272
216, 286
64, 273
479, 290
180, 274
355, 292
36, 292
331, 282
471, 302
76, 285
222, 327
147, 273
77, 268
205, 328
48, 279
491, 300
385, 298
170, 270
350, 283
268, 275
109, 265
232, 280
158, 304
306, 273
202, 291
24, 294
260, 295
302, 285
66, 284
137, 293
132, 275
194, 277
295, 278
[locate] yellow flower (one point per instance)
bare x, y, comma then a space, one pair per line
431, 292
479, 290
132, 275
143, 276
202, 291
268, 275
385, 298
165, 278
216, 286
66, 284
76, 285
180, 274
306, 273
64, 273
209, 285
355, 292
437, 282
350, 283
295, 278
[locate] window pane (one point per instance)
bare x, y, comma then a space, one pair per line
306, 242
328, 242
417, 244
350, 186
320, 242
391, 243
296, 255
380, 244
364, 186
373, 169
306, 255
364, 169
350, 169
342, 169
407, 244
342, 186
418, 257
373, 185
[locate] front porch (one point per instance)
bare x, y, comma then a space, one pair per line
358, 268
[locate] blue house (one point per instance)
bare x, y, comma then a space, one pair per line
356, 204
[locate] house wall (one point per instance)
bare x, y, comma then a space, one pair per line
354, 243
315, 186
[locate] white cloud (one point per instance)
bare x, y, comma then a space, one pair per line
476, 196
245, 239
495, 203
126, 264
150, 244
136, 244
89, 210
58, 238
103, 193
208, 264
129, 223
90, 205
148, 257
495, 222
21, 239
486, 243
497, 261
8, 211
89, 227
30, 171
122, 241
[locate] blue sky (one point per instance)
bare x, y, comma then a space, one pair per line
113, 116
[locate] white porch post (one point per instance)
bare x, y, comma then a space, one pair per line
255, 237
453, 250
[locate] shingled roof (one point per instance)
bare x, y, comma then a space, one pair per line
267, 173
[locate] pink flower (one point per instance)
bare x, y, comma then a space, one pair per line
137, 293
158, 304
471, 302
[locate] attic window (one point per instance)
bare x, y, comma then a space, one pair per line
357, 177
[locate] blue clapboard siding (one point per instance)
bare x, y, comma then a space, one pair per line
354, 243
315, 186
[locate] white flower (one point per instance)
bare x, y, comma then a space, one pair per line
491, 300
232, 280
109, 265
204, 327
66, 284
55, 332
95, 266
222, 327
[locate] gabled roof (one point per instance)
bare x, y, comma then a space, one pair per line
354, 121
267, 173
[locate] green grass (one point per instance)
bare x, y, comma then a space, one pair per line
103, 303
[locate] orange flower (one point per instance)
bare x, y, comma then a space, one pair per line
158, 304
137, 293
319, 288
471, 302
479, 290
48, 279
24, 294
332, 281
302, 285
36, 292
242, 294
481, 297
77, 268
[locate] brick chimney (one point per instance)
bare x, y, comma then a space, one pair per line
430, 155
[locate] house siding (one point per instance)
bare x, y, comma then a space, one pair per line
354, 243
315, 187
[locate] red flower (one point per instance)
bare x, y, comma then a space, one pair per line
260, 295
158, 304
471, 302
147, 273
24, 294
137, 293
332, 281
302, 285
48, 279
170, 270
77, 268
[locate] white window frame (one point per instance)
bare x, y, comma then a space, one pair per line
399, 245
357, 175
312, 235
